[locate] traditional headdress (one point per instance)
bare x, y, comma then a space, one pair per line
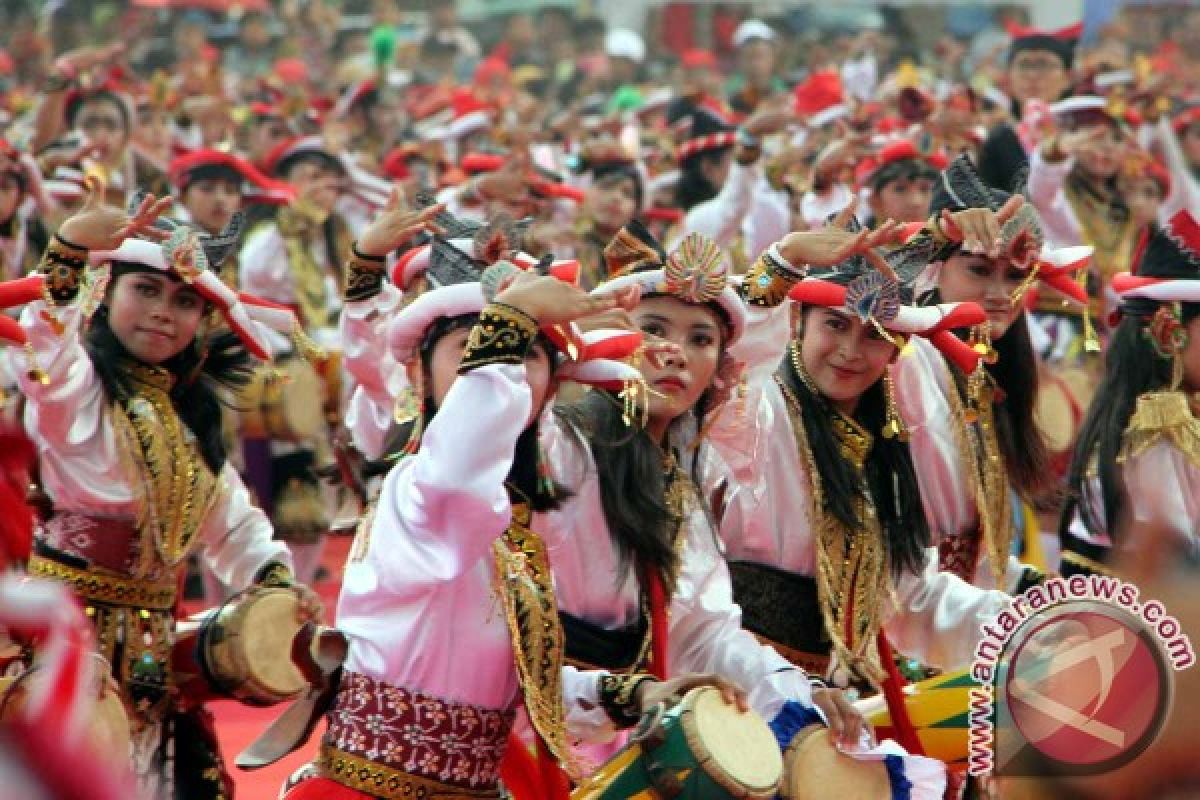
193, 257
695, 272
1168, 274
204, 163
698, 129
1061, 42
464, 274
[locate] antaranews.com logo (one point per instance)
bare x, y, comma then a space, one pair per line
1075, 676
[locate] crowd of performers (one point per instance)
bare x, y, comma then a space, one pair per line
782, 391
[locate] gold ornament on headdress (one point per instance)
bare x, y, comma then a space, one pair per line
696, 271
626, 252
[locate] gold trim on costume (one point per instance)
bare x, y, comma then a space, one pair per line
383, 781
526, 589
502, 336
765, 285
1071, 557
853, 577
984, 468
1158, 416
178, 488
98, 588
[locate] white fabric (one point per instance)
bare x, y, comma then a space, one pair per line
746, 207
264, 271
705, 633
1046, 192
766, 518
923, 384
84, 467
1162, 494
378, 377
419, 606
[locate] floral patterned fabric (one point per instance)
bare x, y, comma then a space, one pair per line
422, 735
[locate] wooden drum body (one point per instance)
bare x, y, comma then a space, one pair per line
700, 749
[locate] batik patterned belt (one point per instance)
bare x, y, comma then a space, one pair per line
389, 741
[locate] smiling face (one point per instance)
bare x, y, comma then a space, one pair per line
990, 282
153, 316
844, 356
676, 385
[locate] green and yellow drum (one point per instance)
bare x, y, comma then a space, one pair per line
938, 708
701, 749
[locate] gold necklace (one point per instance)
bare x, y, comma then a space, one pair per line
984, 467
852, 566
177, 486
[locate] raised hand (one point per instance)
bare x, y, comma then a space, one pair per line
551, 301
979, 228
396, 226
98, 226
825, 247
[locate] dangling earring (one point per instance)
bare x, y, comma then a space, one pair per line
801, 370
893, 426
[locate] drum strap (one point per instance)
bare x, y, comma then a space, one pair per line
893, 694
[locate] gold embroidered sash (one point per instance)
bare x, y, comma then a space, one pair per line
526, 588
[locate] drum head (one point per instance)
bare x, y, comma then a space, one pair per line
268, 628
108, 731
816, 769
302, 398
737, 749
1053, 415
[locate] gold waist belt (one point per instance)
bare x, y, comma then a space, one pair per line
111, 589
380, 780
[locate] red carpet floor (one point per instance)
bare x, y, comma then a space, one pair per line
238, 725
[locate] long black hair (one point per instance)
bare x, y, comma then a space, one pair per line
891, 479
1133, 367
1022, 444
543, 494
202, 370
633, 485
693, 187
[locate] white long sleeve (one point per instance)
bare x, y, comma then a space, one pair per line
84, 467
1047, 193
378, 379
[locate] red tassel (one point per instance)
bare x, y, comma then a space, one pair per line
658, 625
893, 693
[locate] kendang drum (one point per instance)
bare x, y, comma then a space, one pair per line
700, 749
108, 730
938, 709
1063, 397
244, 650
815, 769
283, 402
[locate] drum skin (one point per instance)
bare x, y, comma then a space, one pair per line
108, 729
701, 748
283, 402
242, 649
814, 769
